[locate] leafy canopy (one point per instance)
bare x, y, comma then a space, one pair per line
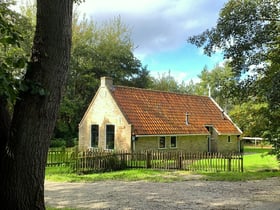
248, 33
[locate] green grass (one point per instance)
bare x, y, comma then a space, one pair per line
257, 165
253, 149
64, 174
260, 162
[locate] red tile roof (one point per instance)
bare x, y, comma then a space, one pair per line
164, 113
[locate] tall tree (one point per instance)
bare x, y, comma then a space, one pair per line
103, 49
251, 117
219, 81
26, 137
165, 82
248, 31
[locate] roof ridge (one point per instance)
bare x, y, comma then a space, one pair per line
159, 91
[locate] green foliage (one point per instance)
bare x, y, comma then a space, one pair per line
114, 163
98, 50
251, 117
165, 83
16, 33
221, 81
58, 143
248, 32
12, 58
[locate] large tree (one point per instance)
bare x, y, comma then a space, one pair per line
248, 32
25, 135
218, 82
98, 49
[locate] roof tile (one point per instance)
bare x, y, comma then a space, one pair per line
164, 113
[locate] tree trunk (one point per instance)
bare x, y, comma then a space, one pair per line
35, 112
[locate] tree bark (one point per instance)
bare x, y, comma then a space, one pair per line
35, 112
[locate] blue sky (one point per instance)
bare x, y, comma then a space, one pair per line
160, 29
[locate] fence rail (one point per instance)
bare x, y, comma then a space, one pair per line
60, 157
97, 161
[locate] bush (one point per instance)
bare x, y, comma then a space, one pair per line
114, 163
58, 143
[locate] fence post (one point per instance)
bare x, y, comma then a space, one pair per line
179, 161
241, 163
229, 163
149, 159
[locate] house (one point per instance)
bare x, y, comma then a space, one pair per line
134, 119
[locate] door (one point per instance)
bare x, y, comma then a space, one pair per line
212, 140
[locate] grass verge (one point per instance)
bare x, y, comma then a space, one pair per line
64, 174
257, 165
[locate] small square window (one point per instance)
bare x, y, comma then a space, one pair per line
173, 142
162, 142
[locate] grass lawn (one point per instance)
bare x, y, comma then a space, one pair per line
257, 165
64, 174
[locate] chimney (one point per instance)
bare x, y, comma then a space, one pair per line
106, 82
187, 118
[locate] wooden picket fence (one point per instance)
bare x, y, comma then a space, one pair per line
61, 157
97, 161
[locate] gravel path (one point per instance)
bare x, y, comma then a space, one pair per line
190, 194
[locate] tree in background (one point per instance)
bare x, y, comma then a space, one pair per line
248, 32
26, 127
15, 42
165, 82
103, 49
219, 82
251, 117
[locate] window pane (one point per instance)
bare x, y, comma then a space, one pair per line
228, 139
110, 136
173, 141
162, 142
94, 135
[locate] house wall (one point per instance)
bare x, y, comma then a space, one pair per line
192, 143
195, 143
225, 146
198, 143
104, 111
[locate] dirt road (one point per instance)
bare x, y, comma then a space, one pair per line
191, 194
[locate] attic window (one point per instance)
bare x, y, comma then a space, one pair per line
187, 118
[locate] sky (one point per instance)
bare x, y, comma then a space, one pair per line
160, 28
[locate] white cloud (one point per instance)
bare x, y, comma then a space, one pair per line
157, 25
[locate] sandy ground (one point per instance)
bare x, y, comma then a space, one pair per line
189, 194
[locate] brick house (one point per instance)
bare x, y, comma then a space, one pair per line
134, 119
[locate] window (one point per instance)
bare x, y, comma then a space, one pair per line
162, 142
228, 139
110, 136
94, 135
173, 142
